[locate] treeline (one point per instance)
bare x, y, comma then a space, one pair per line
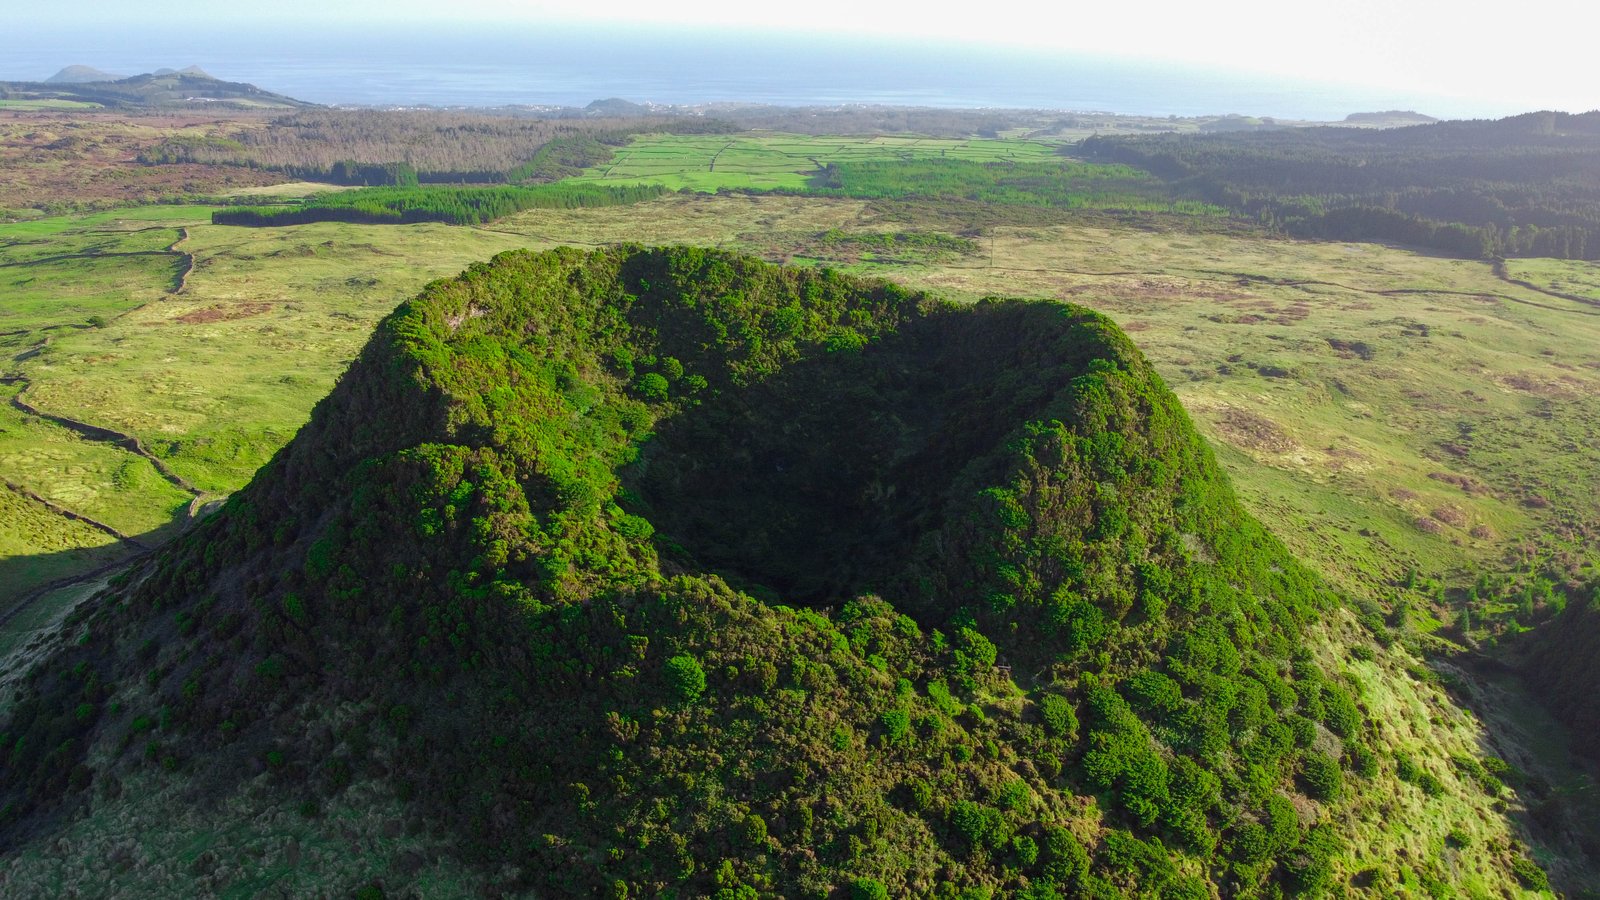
442, 147
1058, 184
1523, 186
455, 206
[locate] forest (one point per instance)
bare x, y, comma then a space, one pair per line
1527, 185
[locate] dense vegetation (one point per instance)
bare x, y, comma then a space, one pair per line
1032, 643
1523, 186
441, 147
1056, 183
1563, 662
455, 205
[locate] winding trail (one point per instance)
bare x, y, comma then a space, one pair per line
106, 435
1501, 273
74, 516
197, 498
66, 256
180, 282
22, 603
717, 156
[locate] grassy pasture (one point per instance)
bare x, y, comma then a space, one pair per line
52, 103
1562, 276
709, 163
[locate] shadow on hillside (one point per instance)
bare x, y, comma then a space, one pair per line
818, 483
30, 580
1558, 791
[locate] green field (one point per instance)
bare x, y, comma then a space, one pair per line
1561, 276
47, 104
767, 161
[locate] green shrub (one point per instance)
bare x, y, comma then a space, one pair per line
1064, 857
868, 889
1321, 776
1529, 874
1060, 720
652, 386
686, 681
896, 724
981, 826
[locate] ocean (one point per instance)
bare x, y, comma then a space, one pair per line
573, 65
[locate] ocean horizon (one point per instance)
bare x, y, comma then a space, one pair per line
574, 65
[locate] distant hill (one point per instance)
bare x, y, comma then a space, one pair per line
188, 70
80, 75
164, 89
1393, 118
616, 106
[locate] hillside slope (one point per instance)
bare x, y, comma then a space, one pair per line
1562, 661
169, 89
636, 572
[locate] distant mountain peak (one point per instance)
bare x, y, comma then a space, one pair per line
80, 75
196, 71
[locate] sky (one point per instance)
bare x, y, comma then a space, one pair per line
1535, 54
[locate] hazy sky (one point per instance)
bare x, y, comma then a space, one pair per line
1533, 54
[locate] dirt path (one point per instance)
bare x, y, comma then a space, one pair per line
180, 282
1501, 273
66, 256
74, 516
106, 435
26, 600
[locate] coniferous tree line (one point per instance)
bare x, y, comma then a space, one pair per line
1524, 186
453, 205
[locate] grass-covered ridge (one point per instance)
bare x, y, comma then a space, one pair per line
1059, 659
454, 205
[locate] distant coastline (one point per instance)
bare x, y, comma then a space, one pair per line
574, 66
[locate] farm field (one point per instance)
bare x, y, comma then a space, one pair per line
767, 161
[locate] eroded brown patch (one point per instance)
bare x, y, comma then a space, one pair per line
1429, 525
223, 313
1539, 387
1250, 431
